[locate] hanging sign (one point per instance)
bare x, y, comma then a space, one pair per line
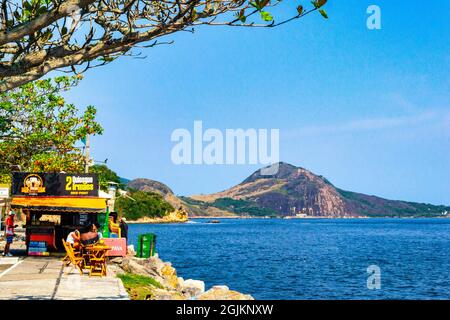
54, 184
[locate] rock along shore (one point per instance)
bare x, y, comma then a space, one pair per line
177, 216
171, 286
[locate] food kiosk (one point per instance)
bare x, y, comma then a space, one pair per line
56, 204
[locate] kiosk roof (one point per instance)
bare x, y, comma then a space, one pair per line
70, 204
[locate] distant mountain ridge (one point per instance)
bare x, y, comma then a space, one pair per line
124, 181
290, 191
297, 191
149, 185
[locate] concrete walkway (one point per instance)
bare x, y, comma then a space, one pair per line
47, 278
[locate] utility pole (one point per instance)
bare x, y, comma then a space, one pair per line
87, 154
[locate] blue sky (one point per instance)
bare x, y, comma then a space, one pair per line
368, 109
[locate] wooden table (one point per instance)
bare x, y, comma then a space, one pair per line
96, 257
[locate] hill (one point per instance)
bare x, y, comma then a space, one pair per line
296, 191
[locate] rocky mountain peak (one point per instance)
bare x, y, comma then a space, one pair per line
287, 191
150, 186
280, 170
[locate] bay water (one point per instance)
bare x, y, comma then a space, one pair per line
311, 258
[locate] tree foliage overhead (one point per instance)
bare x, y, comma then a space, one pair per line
39, 129
141, 204
37, 36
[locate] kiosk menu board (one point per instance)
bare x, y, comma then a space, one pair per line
54, 184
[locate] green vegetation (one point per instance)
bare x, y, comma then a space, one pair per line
139, 287
124, 181
428, 209
405, 213
243, 207
40, 131
378, 207
193, 202
349, 195
139, 204
282, 191
240, 207
106, 175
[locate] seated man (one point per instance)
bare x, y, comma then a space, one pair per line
114, 228
74, 239
90, 235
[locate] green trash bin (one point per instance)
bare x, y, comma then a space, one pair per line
146, 245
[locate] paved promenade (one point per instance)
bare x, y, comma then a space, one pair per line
47, 278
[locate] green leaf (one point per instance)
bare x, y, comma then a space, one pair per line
241, 16
255, 4
42, 10
17, 15
321, 2
194, 15
323, 13
47, 35
106, 58
28, 7
259, 4
266, 16
318, 3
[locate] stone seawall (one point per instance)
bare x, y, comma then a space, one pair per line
172, 287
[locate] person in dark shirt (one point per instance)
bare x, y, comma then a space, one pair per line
90, 235
124, 228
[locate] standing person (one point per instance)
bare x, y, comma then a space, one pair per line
124, 228
9, 231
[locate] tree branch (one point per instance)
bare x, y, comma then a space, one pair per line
46, 37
